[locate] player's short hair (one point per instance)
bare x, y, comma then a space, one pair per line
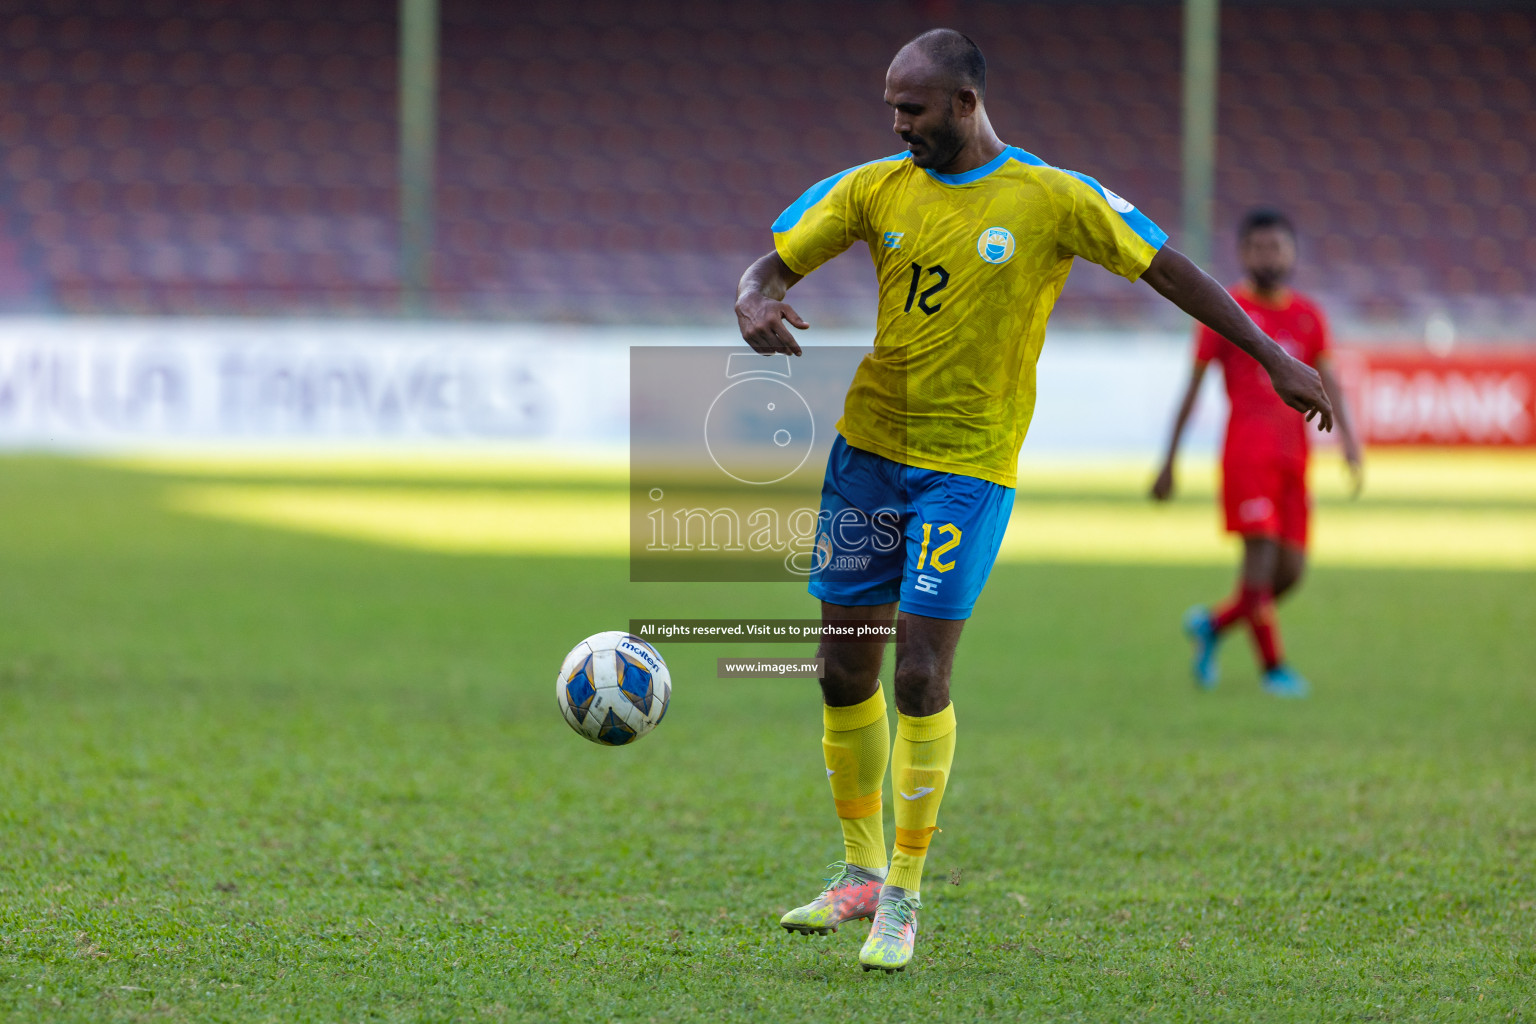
1256, 220
956, 55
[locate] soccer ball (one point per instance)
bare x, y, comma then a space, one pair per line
613, 688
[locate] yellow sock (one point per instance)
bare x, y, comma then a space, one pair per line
856, 742
925, 748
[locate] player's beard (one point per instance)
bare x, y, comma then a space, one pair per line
1268, 279
939, 147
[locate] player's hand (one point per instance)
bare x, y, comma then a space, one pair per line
1162, 487
1300, 387
761, 320
1356, 468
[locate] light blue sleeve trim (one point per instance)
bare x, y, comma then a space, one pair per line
1134, 218
817, 192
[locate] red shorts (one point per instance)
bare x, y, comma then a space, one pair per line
1267, 498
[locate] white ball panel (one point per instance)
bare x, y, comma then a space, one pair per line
606, 676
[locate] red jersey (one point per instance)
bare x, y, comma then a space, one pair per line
1260, 424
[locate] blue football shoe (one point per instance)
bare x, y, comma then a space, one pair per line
1202, 633
1284, 681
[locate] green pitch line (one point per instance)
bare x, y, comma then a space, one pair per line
250, 774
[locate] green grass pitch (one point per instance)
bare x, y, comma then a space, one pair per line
252, 775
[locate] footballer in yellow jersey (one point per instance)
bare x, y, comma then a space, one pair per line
972, 240
969, 267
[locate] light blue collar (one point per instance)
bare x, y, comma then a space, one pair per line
976, 173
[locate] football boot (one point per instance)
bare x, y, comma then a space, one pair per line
1284, 681
893, 933
1202, 633
851, 894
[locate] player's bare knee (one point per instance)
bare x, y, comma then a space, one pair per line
1287, 577
1261, 560
1290, 566
922, 688
842, 674
848, 676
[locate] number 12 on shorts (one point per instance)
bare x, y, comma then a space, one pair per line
936, 559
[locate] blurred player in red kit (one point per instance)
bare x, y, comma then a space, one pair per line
1264, 460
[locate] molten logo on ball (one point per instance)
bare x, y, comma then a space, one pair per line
613, 688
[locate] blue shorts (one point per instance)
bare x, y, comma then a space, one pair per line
891, 532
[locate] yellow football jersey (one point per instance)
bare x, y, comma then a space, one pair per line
970, 266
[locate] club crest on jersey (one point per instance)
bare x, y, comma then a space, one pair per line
995, 245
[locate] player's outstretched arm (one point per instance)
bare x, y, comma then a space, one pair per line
1176, 279
761, 309
1162, 487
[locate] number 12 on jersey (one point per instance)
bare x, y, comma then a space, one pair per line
929, 292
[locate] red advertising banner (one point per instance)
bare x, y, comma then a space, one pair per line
1417, 398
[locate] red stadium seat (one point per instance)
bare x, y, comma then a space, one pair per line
244, 156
